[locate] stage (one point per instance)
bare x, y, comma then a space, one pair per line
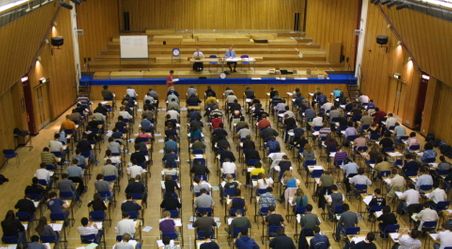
261, 85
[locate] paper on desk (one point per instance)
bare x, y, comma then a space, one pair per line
157, 135
358, 239
91, 246
161, 151
378, 214
367, 199
147, 229
161, 140
56, 226
190, 226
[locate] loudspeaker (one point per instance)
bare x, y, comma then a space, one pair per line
57, 41
126, 20
382, 39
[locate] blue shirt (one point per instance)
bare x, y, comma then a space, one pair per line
350, 168
245, 242
424, 180
230, 54
428, 154
56, 205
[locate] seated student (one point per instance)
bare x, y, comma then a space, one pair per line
411, 199
348, 219
411, 166
130, 206
319, 241
167, 225
282, 241
89, 228
309, 222
350, 169
427, 214
45, 230
429, 154
43, 174
367, 243
444, 239
382, 166
35, 244
300, 200
170, 202
425, 179
126, 243
387, 218
245, 242
360, 179
408, 239
396, 183
12, 227
438, 194
239, 223
205, 225
209, 244
274, 219
25, 205
229, 187
377, 202
204, 200
386, 143
199, 184
97, 204
57, 205
125, 226
267, 200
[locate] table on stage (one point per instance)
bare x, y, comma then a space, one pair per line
223, 60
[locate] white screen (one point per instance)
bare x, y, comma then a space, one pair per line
134, 46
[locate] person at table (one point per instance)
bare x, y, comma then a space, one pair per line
130, 206
438, 194
429, 154
198, 66
89, 228
426, 215
408, 240
319, 241
425, 179
35, 244
230, 54
309, 222
209, 244
240, 223
282, 241
444, 239
167, 225
205, 224
348, 219
386, 143
411, 201
126, 243
378, 200
245, 242
387, 218
381, 166
12, 227
360, 179
443, 165
45, 230
367, 243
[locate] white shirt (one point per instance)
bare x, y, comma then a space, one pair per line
55, 146
445, 238
263, 185
125, 115
390, 122
173, 114
228, 168
43, 174
437, 195
406, 242
88, 230
411, 196
125, 226
135, 170
398, 181
327, 106
428, 214
317, 121
364, 99
131, 92
360, 179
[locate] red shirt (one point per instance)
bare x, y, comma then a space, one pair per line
216, 122
169, 80
264, 123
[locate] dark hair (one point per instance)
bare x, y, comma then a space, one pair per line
386, 209
309, 207
370, 236
84, 221
377, 191
414, 233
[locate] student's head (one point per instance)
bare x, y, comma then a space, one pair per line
137, 178
238, 212
166, 214
377, 191
171, 71
84, 221
370, 236
34, 238
428, 146
346, 207
442, 158
64, 176
46, 149
166, 240
56, 135
74, 161
386, 209
309, 208
129, 196
413, 134
52, 195
43, 165
244, 232
334, 187
414, 233
99, 177
203, 191
271, 209
126, 237
360, 171
316, 230
34, 180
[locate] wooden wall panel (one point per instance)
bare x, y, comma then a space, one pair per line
19, 41
441, 123
428, 38
380, 64
57, 66
330, 21
100, 23
208, 14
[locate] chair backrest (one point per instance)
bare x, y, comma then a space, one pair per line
263, 211
261, 191
414, 147
133, 214
425, 187
169, 235
174, 213
25, 216
14, 239
441, 205
429, 224
204, 210
110, 178
57, 216
391, 228
352, 230
274, 230
361, 187
42, 182
48, 239
67, 195
88, 239
338, 209
97, 215
9, 153
317, 173
309, 162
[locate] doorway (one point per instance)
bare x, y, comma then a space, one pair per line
420, 101
42, 104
